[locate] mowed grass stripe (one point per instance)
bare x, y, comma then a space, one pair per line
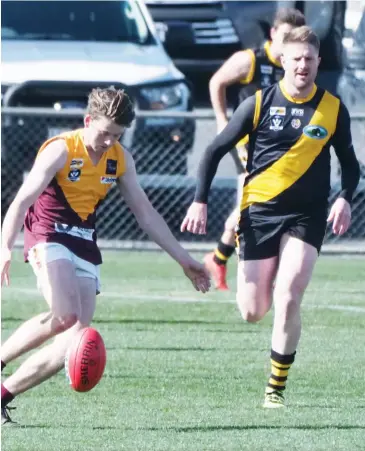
190, 376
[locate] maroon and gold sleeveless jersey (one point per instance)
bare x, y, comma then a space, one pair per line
65, 212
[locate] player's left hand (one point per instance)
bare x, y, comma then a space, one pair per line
197, 274
340, 215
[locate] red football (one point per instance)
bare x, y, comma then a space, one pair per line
85, 360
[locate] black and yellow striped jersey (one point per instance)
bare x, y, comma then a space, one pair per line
288, 152
265, 70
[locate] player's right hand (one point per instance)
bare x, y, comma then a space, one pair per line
5, 265
197, 274
195, 220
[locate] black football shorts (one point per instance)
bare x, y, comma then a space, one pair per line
258, 236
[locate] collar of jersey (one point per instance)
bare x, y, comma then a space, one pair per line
296, 100
267, 48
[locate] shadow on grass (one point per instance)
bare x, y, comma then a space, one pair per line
192, 429
141, 321
176, 349
242, 331
173, 376
162, 321
228, 428
25, 426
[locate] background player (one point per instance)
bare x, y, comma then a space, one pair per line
291, 127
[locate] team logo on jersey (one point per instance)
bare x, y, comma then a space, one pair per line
297, 112
107, 180
111, 167
74, 175
77, 163
276, 123
266, 70
295, 123
315, 131
277, 111
78, 232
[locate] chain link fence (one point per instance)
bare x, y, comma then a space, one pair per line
167, 149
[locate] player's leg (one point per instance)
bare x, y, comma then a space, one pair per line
258, 250
296, 262
47, 262
216, 261
254, 287
49, 360
30, 335
57, 280
229, 235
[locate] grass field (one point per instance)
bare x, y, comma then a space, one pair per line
184, 372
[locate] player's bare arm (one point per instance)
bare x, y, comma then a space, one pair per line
236, 68
51, 160
155, 226
241, 124
340, 213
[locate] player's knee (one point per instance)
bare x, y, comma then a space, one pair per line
64, 322
69, 320
63, 340
250, 310
251, 316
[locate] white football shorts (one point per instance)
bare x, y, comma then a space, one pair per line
43, 253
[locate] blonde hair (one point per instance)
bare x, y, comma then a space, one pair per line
302, 34
111, 103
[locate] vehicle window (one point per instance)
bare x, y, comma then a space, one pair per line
100, 21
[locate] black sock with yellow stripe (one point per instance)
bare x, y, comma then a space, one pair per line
222, 253
280, 365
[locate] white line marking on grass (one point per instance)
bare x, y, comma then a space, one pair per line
174, 297
177, 298
343, 308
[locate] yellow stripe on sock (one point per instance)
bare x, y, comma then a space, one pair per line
277, 383
278, 372
219, 255
280, 365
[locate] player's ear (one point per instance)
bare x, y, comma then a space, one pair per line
319, 60
282, 60
87, 120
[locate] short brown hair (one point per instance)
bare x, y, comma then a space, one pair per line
112, 103
302, 34
289, 16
